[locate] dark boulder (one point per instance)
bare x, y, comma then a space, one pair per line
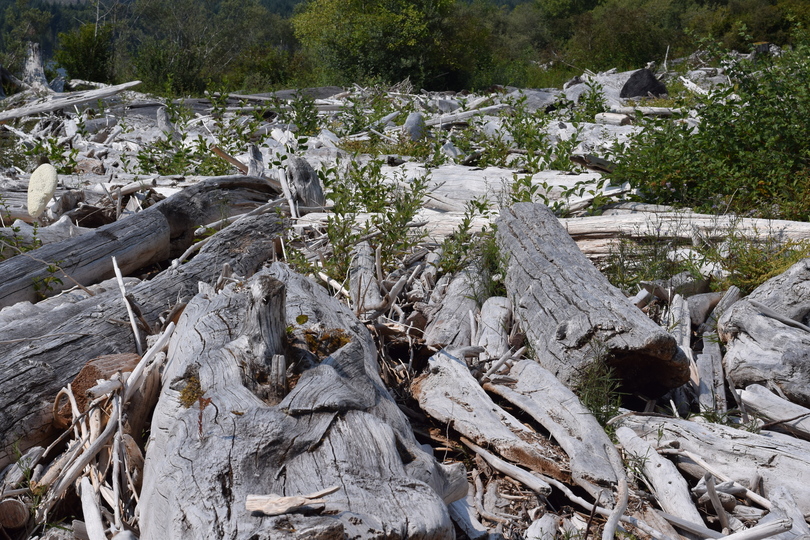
643, 83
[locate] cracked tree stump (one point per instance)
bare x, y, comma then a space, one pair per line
337, 427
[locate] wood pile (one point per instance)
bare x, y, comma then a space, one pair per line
170, 388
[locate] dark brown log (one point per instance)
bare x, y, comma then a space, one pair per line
13, 514
43, 352
337, 427
571, 313
157, 233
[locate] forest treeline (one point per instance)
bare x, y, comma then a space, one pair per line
189, 46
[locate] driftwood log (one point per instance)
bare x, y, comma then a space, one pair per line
44, 350
572, 315
337, 427
159, 232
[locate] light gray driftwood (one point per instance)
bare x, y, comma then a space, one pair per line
493, 328
712, 387
450, 394
572, 425
337, 427
305, 183
449, 324
363, 286
46, 350
669, 487
572, 315
60, 101
157, 233
734, 453
761, 349
785, 416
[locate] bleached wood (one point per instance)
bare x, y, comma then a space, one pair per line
275, 505
92, 515
669, 487
680, 324
569, 422
465, 517
572, 315
761, 350
785, 507
363, 284
782, 413
736, 454
544, 528
788, 293
531, 481
449, 393
493, 329
730, 297
338, 426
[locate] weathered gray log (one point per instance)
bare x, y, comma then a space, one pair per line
450, 394
22, 234
701, 306
41, 356
60, 101
788, 293
337, 427
569, 422
785, 416
571, 313
785, 506
761, 349
148, 237
449, 325
734, 453
730, 297
669, 487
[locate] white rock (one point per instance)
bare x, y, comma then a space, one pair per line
41, 188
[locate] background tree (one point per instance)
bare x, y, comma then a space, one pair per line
22, 23
87, 52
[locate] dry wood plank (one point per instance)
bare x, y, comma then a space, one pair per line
38, 359
712, 387
734, 453
338, 426
572, 315
450, 394
569, 422
60, 101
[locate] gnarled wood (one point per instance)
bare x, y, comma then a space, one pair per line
338, 426
571, 313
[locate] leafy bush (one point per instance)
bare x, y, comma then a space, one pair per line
86, 52
750, 153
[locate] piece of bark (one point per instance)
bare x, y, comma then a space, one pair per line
763, 350
339, 426
712, 387
157, 233
494, 326
572, 425
450, 394
449, 325
39, 359
735, 453
61, 101
363, 284
780, 413
572, 314
669, 487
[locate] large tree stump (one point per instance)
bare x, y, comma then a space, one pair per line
42, 353
337, 427
572, 315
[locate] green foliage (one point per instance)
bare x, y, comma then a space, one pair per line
86, 52
597, 387
361, 188
750, 153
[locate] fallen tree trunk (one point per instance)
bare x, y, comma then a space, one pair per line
337, 427
55, 102
157, 233
573, 316
44, 351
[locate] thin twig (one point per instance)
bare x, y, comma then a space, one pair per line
130, 313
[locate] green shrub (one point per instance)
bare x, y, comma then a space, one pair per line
86, 52
751, 153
